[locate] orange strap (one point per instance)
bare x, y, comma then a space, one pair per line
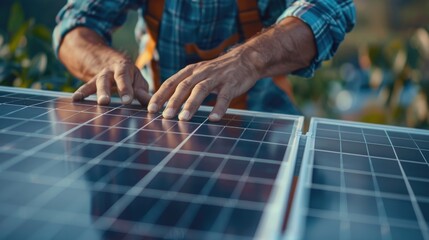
147, 55
153, 18
283, 83
250, 22
248, 14
192, 48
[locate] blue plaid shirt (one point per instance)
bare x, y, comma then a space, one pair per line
207, 23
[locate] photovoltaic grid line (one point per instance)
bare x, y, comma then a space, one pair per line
376, 188
97, 160
89, 120
306, 185
42, 200
66, 134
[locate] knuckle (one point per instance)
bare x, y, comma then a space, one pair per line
174, 102
185, 85
121, 85
101, 79
122, 79
92, 80
210, 67
199, 70
169, 84
104, 74
202, 88
82, 90
124, 63
159, 98
225, 98
120, 74
199, 64
191, 105
190, 66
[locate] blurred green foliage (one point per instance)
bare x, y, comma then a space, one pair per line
27, 58
388, 85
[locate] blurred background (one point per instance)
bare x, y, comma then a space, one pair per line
380, 74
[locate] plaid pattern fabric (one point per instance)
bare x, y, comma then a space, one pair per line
207, 23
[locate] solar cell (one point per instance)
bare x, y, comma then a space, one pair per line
82, 171
78, 170
362, 181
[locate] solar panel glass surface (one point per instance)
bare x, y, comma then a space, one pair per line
362, 181
82, 171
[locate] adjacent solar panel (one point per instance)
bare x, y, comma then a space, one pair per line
362, 181
82, 171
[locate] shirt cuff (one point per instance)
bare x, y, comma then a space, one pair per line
309, 14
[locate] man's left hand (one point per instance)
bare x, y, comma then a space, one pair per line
282, 49
228, 76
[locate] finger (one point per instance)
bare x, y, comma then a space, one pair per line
141, 92
142, 96
182, 92
199, 93
104, 84
124, 81
223, 100
167, 89
84, 91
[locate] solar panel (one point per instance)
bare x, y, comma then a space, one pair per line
81, 171
362, 181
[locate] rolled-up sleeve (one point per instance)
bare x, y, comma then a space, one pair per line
102, 16
329, 20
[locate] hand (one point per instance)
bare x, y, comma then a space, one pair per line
227, 76
280, 50
122, 76
87, 56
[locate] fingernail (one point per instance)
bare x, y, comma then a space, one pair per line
168, 113
184, 115
214, 117
152, 108
103, 99
77, 96
126, 99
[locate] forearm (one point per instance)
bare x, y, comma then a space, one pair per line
282, 49
85, 53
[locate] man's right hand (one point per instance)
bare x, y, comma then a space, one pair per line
124, 77
102, 68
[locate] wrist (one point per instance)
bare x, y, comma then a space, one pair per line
102, 56
256, 60
280, 50
250, 60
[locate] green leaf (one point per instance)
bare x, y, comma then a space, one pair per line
377, 56
16, 18
19, 36
42, 32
